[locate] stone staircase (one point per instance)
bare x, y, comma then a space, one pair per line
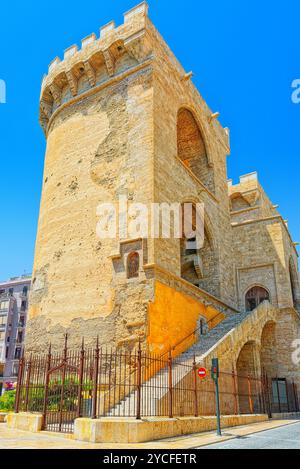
208, 341
157, 387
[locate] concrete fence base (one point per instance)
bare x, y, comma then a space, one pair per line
3, 417
25, 421
129, 430
122, 430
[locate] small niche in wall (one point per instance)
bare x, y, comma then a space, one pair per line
133, 265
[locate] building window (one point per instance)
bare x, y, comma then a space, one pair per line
18, 353
3, 320
2, 292
16, 369
25, 291
11, 291
133, 265
23, 305
4, 305
255, 296
22, 321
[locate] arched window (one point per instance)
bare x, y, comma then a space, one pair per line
255, 296
133, 265
191, 148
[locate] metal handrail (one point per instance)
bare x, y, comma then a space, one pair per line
160, 358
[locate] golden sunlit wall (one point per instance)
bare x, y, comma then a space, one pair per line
173, 317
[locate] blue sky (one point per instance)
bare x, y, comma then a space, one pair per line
244, 55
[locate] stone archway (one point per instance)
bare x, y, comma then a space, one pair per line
200, 266
248, 374
255, 296
191, 148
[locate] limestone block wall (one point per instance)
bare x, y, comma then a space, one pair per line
286, 332
108, 136
99, 147
110, 116
292, 287
248, 200
262, 249
175, 183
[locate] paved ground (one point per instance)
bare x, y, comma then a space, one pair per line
287, 437
287, 432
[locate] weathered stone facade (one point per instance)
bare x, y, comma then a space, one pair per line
122, 118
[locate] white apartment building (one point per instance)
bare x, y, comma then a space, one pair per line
14, 295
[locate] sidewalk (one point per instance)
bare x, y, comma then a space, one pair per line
16, 439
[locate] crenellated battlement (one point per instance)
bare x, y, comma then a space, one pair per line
95, 61
113, 54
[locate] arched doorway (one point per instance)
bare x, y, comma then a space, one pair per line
191, 148
248, 379
255, 296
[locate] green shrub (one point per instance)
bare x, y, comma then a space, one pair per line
7, 401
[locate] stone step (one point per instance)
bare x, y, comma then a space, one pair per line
157, 386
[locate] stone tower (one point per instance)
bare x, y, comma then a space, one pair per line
123, 118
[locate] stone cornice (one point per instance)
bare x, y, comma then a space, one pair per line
244, 210
193, 288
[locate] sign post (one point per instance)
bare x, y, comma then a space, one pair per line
215, 376
202, 373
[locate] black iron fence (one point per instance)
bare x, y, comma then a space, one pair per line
105, 382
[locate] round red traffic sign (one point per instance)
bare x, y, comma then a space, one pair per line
202, 373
